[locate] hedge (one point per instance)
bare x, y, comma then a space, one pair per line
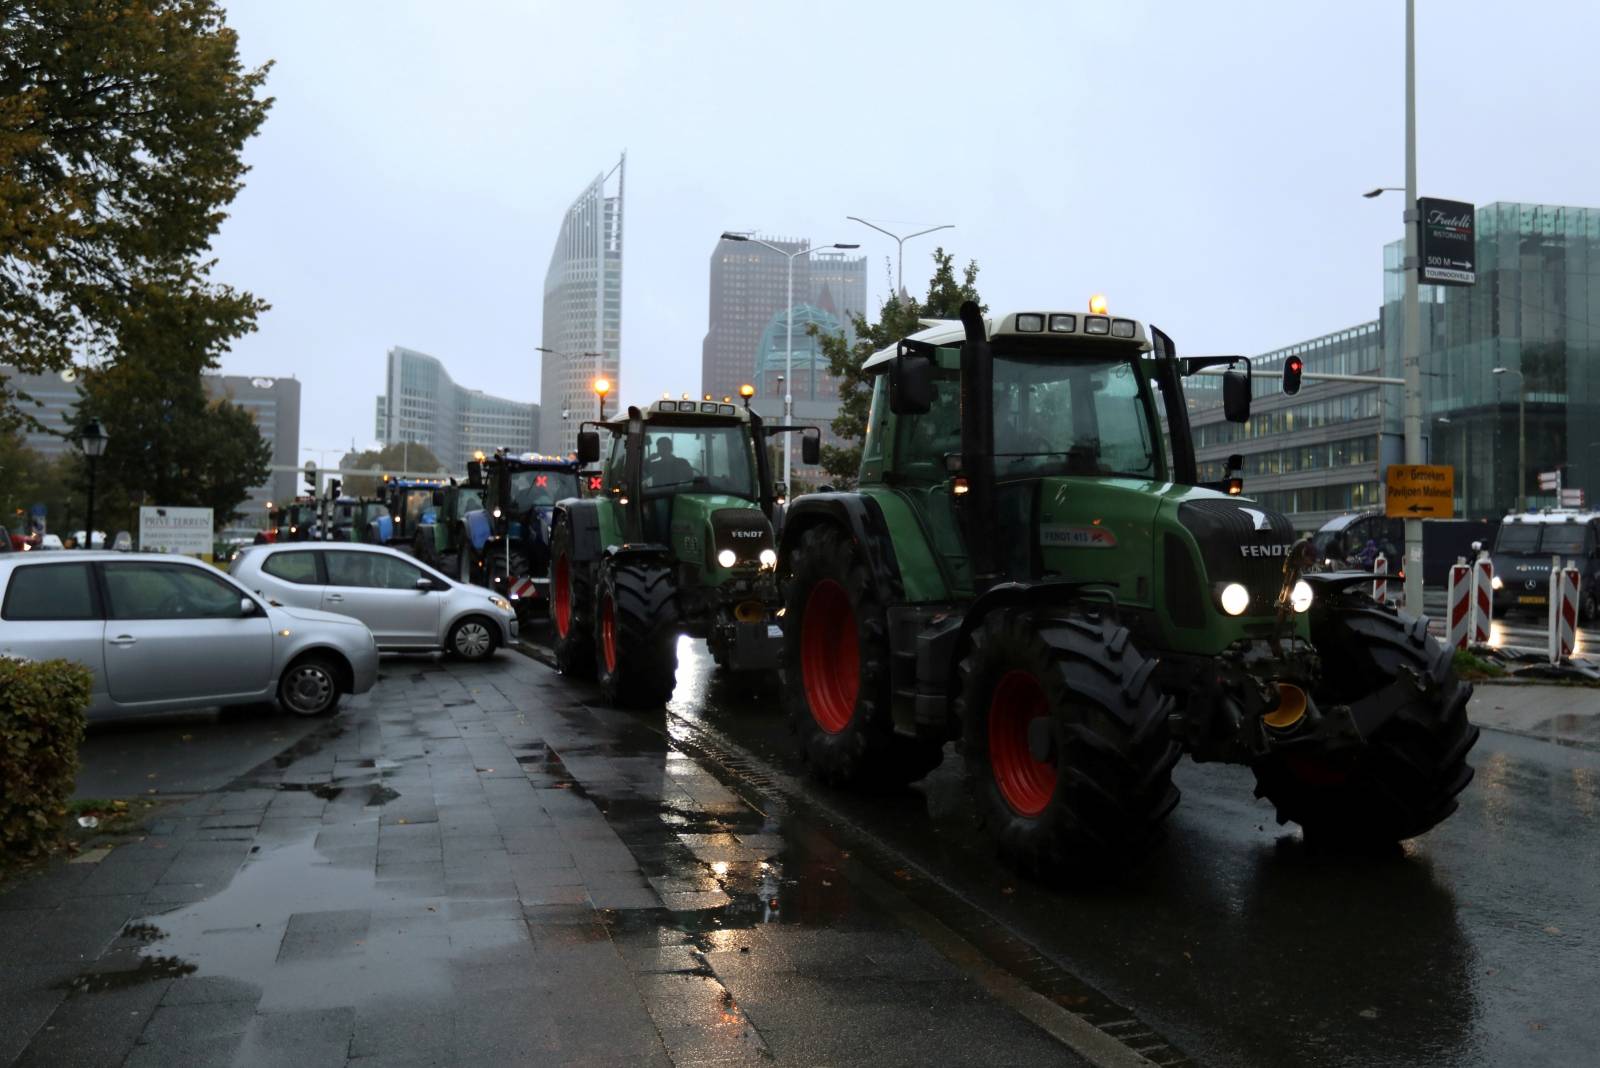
41, 726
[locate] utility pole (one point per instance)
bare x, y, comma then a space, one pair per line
1411, 332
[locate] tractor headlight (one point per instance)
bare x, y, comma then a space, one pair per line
1495, 582
1235, 599
1300, 596
727, 558
500, 603
496, 513
769, 558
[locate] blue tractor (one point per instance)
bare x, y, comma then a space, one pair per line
507, 541
404, 500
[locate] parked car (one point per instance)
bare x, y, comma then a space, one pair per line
6, 544
408, 605
163, 633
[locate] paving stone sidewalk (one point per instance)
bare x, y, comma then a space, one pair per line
473, 864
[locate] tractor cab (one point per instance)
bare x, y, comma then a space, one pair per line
504, 542
404, 501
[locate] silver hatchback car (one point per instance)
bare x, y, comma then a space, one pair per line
163, 633
408, 605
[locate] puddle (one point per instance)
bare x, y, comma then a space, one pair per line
147, 970
325, 790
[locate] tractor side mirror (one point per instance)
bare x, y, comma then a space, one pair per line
910, 384
588, 446
811, 449
1236, 396
474, 474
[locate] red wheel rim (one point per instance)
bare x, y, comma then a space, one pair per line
562, 595
608, 633
830, 663
1026, 784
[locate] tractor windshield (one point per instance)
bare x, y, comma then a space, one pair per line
1071, 417
541, 489
704, 459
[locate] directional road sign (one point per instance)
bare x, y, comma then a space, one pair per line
1549, 480
1420, 491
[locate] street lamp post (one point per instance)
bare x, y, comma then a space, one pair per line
788, 344
599, 371
1522, 434
900, 242
1411, 310
93, 443
602, 386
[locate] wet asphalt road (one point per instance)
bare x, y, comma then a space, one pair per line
1475, 945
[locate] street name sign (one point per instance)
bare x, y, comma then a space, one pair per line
1420, 491
185, 531
1448, 249
1549, 480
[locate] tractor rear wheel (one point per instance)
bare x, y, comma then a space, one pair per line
1065, 739
571, 605
636, 633
836, 670
1404, 779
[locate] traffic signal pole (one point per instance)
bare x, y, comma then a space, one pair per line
1411, 328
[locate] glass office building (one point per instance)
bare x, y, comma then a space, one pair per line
423, 405
1534, 313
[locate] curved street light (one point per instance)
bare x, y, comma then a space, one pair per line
900, 242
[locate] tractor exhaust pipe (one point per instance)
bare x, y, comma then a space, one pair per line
977, 446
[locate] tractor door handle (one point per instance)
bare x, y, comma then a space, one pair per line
124, 639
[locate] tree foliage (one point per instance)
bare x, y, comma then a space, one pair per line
28, 477
121, 128
896, 319
415, 457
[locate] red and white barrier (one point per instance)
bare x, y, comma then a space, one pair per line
1458, 602
1482, 599
1380, 585
1564, 582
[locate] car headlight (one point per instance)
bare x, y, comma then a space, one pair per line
1300, 596
769, 558
727, 558
1495, 582
500, 603
1235, 599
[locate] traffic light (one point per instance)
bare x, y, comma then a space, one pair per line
1292, 369
311, 476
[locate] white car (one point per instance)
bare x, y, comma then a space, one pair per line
162, 633
408, 605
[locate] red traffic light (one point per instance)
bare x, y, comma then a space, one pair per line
1292, 369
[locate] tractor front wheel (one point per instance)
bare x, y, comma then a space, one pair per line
1065, 740
636, 633
836, 670
571, 605
1403, 779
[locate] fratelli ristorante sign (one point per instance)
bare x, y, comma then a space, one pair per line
1448, 254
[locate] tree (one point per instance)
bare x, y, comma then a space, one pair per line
27, 478
398, 457
896, 319
121, 128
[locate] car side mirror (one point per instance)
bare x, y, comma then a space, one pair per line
1477, 546
426, 584
811, 449
910, 384
247, 606
1236, 396
588, 446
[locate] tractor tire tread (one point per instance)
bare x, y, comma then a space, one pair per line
646, 605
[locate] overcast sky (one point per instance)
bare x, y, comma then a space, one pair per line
1199, 163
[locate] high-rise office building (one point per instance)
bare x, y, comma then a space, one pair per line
582, 329
750, 284
423, 405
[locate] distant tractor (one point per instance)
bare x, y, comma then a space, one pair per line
506, 540
678, 540
404, 501
298, 520
1025, 570
350, 518
442, 531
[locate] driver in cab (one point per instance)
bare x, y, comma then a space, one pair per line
666, 468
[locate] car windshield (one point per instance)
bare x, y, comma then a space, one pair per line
1517, 538
699, 458
541, 489
1563, 538
1073, 417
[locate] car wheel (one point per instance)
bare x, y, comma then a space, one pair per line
471, 639
310, 687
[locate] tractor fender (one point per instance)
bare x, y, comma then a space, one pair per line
858, 515
584, 519
476, 525
382, 529
1014, 595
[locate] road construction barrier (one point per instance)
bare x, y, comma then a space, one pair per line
1482, 599
1458, 603
1380, 585
1564, 583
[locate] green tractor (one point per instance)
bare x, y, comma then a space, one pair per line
1030, 567
441, 530
677, 539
